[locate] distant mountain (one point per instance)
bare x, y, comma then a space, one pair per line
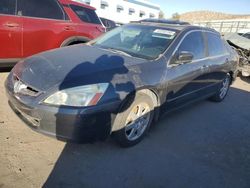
197, 16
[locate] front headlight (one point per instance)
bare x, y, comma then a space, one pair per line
87, 95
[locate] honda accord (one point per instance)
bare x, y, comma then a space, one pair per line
121, 82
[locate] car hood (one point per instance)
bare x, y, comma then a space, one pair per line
79, 64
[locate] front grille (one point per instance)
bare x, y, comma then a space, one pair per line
22, 88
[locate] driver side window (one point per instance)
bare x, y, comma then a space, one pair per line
193, 43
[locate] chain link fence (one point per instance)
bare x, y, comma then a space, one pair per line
226, 26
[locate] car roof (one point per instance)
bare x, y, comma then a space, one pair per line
175, 27
70, 2
167, 21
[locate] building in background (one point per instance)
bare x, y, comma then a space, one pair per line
124, 11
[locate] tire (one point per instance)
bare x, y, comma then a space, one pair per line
134, 120
223, 89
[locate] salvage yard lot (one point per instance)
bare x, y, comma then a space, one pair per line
202, 145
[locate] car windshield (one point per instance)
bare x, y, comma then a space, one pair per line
141, 41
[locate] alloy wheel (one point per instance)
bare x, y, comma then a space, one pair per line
137, 121
224, 88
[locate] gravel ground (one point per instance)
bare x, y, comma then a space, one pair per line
203, 145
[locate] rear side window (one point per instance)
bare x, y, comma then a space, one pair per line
8, 7
194, 43
215, 45
85, 14
40, 9
108, 23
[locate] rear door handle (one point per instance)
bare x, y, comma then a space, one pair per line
101, 29
11, 25
69, 28
205, 67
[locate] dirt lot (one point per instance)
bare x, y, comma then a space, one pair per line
203, 145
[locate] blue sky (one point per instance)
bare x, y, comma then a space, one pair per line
227, 6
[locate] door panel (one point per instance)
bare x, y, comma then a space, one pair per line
185, 80
10, 30
44, 34
11, 36
218, 57
218, 70
44, 25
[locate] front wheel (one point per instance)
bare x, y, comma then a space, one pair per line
134, 121
223, 90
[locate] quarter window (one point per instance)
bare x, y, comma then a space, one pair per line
194, 43
85, 14
40, 9
215, 45
8, 7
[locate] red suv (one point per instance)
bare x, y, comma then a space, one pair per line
28, 27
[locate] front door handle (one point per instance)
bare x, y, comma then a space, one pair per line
11, 25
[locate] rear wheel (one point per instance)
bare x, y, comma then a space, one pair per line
223, 90
134, 121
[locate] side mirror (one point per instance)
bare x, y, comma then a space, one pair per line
184, 57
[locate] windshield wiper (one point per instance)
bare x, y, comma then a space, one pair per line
119, 51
